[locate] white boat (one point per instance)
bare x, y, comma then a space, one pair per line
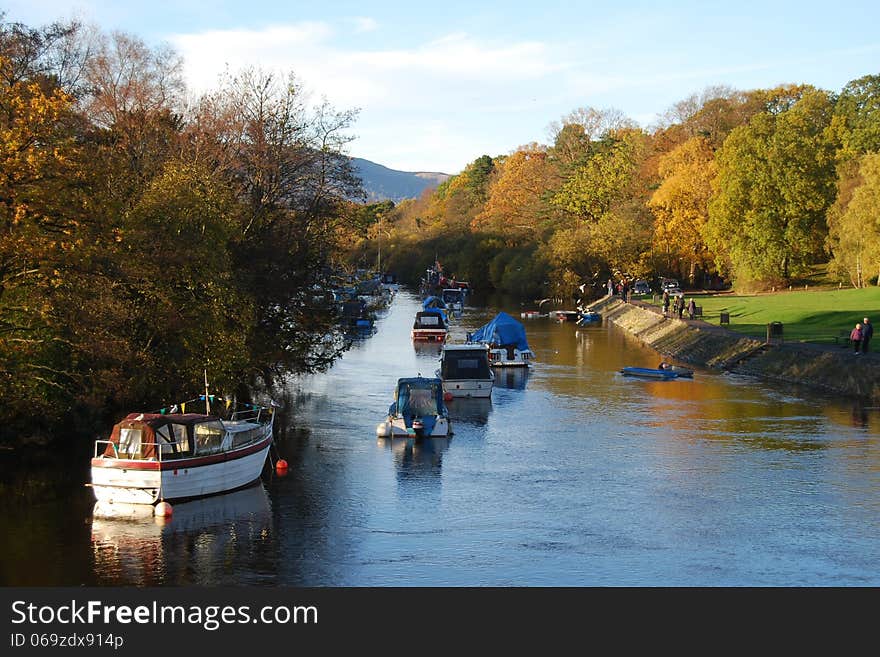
506, 339
166, 456
430, 326
418, 411
465, 370
454, 299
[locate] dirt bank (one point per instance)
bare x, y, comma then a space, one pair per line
828, 368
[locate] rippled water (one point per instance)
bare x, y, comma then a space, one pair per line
570, 475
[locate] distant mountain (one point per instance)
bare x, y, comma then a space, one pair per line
382, 183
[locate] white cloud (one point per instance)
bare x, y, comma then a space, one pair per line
432, 106
364, 24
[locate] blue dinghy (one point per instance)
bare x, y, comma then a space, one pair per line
672, 372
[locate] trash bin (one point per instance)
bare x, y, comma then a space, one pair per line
774, 332
725, 318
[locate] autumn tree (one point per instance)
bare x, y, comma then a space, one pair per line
517, 207
681, 205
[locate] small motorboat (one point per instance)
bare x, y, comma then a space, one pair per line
665, 373
453, 299
588, 317
465, 371
566, 315
532, 314
429, 326
418, 411
506, 339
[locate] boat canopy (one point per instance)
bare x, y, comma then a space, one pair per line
456, 364
433, 302
502, 331
419, 396
177, 434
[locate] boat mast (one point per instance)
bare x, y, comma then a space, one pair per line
207, 401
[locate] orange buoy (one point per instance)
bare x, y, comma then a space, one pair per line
447, 396
281, 466
163, 510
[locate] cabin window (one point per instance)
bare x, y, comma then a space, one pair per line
208, 436
130, 441
429, 321
172, 439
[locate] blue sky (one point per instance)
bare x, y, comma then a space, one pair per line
437, 85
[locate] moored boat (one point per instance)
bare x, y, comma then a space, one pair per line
506, 339
566, 315
171, 454
418, 410
429, 326
465, 371
453, 299
666, 373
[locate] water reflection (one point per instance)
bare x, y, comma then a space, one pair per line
417, 463
512, 378
469, 410
204, 541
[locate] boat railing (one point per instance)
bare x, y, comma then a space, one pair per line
132, 456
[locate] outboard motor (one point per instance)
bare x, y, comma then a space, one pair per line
419, 427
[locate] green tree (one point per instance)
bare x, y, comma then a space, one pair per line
774, 186
854, 234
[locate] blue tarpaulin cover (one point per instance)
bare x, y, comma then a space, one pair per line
503, 330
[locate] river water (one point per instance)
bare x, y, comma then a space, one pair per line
570, 475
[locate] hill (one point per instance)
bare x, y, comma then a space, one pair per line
382, 183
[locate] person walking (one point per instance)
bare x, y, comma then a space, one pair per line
679, 306
610, 288
867, 334
855, 336
692, 308
665, 303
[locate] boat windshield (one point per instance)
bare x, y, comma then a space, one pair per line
465, 364
208, 437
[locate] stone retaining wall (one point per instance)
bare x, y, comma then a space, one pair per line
831, 369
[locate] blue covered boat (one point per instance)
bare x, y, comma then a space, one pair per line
418, 410
671, 372
506, 339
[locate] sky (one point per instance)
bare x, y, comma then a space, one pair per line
437, 85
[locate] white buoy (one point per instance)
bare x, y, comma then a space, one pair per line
383, 430
163, 510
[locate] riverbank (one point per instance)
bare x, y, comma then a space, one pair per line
828, 368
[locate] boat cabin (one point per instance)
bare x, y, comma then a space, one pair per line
157, 437
429, 326
465, 370
453, 298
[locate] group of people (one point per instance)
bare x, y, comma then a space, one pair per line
678, 305
861, 335
621, 288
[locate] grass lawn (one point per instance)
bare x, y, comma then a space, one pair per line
818, 315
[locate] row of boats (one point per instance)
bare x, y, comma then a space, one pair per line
466, 370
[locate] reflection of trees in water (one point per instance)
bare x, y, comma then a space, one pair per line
209, 541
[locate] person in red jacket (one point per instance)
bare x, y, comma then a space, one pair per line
855, 336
